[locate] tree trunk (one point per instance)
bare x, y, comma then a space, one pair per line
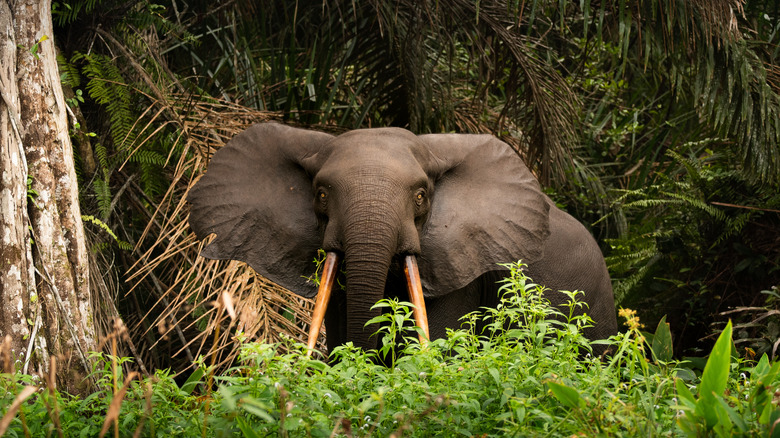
45, 305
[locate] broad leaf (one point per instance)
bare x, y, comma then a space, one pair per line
685, 396
662, 342
565, 394
714, 379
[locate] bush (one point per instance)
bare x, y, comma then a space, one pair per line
533, 378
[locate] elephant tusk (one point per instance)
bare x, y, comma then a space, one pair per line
323, 297
416, 296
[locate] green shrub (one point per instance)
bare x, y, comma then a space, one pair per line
534, 378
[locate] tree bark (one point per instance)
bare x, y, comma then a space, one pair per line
45, 304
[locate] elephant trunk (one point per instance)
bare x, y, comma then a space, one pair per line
367, 257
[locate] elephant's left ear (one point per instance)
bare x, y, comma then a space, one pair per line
486, 208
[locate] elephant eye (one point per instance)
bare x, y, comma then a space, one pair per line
322, 195
419, 196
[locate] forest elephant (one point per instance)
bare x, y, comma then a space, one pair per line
434, 214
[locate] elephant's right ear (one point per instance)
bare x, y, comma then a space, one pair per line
256, 196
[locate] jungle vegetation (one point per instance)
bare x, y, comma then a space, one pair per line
654, 122
529, 381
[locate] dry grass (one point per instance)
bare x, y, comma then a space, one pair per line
189, 312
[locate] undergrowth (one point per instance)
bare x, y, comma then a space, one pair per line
529, 373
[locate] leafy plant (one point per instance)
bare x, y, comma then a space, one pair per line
526, 381
698, 233
709, 412
36, 47
67, 11
717, 411
396, 325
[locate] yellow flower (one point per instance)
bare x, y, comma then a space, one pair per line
632, 320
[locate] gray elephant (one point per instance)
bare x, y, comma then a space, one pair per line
408, 215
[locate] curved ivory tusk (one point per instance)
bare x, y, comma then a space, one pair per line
416, 296
323, 297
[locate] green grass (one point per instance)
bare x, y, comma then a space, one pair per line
534, 379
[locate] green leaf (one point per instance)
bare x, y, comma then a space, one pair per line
228, 398
376, 320
715, 375
685, 374
662, 342
565, 394
714, 379
258, 408
381, 304
762, 395
399, 319
192, 381
730, 418
684, 394
762, 367
495, 374
246, 428
773, 419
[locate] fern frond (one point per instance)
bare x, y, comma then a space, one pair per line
99, 223
108, 87
147, 157
691, 201
101, 246
733, 227
103, 194
102, 155
627, 193
622, 288
69, 73
693, 166
67, 12
644, 203
622, 262
152, 178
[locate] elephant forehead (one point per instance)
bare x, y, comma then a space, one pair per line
392, 134
383, 155
379, 139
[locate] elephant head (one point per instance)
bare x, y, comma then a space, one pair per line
458, 204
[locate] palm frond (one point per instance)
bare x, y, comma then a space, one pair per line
706, 47
187, 312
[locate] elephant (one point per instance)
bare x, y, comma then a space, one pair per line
429, 217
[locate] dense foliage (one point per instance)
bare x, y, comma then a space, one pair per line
654, 122
534, 379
